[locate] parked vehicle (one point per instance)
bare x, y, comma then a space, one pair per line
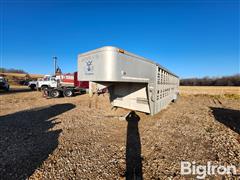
23, 82
47, 81
66, 85
32, 85
4, 84
43, 83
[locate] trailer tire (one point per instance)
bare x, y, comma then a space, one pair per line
68, 92
175, 98
54, 93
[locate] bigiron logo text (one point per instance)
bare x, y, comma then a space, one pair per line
201, 171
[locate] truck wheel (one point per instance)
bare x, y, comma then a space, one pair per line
45, 93
32, 87
68, 93
55, 93
43, 88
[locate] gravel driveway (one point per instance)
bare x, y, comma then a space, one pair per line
82, 138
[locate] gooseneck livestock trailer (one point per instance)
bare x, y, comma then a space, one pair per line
133, 82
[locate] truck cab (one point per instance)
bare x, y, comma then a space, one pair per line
47, 81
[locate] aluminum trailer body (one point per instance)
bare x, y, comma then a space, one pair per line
134, 82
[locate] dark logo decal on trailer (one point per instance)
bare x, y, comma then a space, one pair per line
89, 67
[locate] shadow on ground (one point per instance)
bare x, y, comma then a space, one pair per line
133, 148
15, 90
228, 117
26, 140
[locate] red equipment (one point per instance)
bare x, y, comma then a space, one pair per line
71, 80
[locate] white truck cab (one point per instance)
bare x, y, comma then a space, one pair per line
47, 81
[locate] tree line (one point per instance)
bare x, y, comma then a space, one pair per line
233, 80
12, 70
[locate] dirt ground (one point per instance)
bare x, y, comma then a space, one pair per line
83, 138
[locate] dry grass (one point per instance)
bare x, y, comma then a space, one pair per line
21, 75
14, 78
227, 91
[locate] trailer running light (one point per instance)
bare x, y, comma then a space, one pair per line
121, 50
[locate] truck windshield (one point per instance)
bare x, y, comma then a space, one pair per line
46, 79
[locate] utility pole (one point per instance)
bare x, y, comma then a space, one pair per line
55, 64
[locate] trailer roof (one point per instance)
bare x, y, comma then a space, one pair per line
112, 48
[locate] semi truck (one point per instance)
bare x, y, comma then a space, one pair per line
66, 85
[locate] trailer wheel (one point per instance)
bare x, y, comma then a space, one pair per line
55, 93
175, 98
68, 93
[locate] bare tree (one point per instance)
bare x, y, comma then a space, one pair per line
233, 80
